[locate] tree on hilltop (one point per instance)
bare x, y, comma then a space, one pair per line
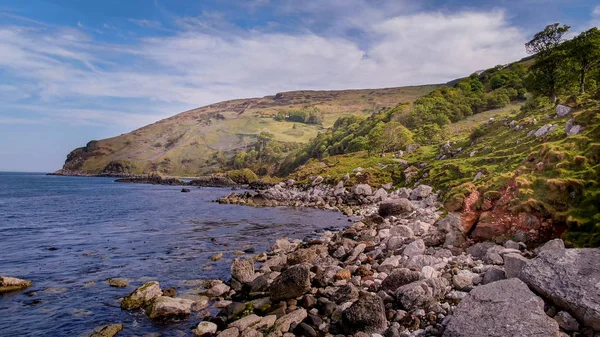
584, 54
548, 70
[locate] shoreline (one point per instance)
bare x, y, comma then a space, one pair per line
400, 270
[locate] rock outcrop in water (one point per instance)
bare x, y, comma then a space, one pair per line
9, 284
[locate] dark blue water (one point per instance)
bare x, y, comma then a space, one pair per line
69, 234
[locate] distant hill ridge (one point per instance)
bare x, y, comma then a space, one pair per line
200, 141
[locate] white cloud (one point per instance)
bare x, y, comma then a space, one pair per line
195, 67
146, 23
596, 11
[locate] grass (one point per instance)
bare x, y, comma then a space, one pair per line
557, 176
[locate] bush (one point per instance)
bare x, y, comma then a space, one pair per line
244, 176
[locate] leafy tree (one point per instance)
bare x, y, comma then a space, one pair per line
429, 134
584, 53
359, 143
392, 136
550, 59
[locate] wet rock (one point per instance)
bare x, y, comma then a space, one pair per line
109, 330
242, 270
398, 278
216, 257
142, 296
422, 294
217, 290
118, 282
204, 328
566, 321
170, 292
367, 314
502, 308
293, 282
569, 278
165, 307
185, 190
395, 207
8, 284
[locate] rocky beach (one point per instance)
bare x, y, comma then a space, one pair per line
405, 268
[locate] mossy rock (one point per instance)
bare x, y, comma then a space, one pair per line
142, 296
109, 330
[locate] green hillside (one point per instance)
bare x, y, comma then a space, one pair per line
514, 149
207, 139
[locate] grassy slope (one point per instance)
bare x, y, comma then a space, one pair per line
185, 144
566, 189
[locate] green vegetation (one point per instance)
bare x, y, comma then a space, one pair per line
425, 121
307, 116
245, 176
489, 120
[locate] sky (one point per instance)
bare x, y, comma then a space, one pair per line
76, 70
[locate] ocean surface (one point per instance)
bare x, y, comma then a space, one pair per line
68, 235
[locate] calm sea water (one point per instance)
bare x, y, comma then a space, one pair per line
69, 234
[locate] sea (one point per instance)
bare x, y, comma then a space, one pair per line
68, 235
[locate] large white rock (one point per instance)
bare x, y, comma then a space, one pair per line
169, 307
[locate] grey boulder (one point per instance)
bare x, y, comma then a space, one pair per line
570, 278
367, 314
293, 282
500, 309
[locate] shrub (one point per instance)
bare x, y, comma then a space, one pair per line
244, 176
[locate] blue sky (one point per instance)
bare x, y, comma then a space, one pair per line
76, 70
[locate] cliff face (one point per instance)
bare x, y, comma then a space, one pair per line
192, 142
